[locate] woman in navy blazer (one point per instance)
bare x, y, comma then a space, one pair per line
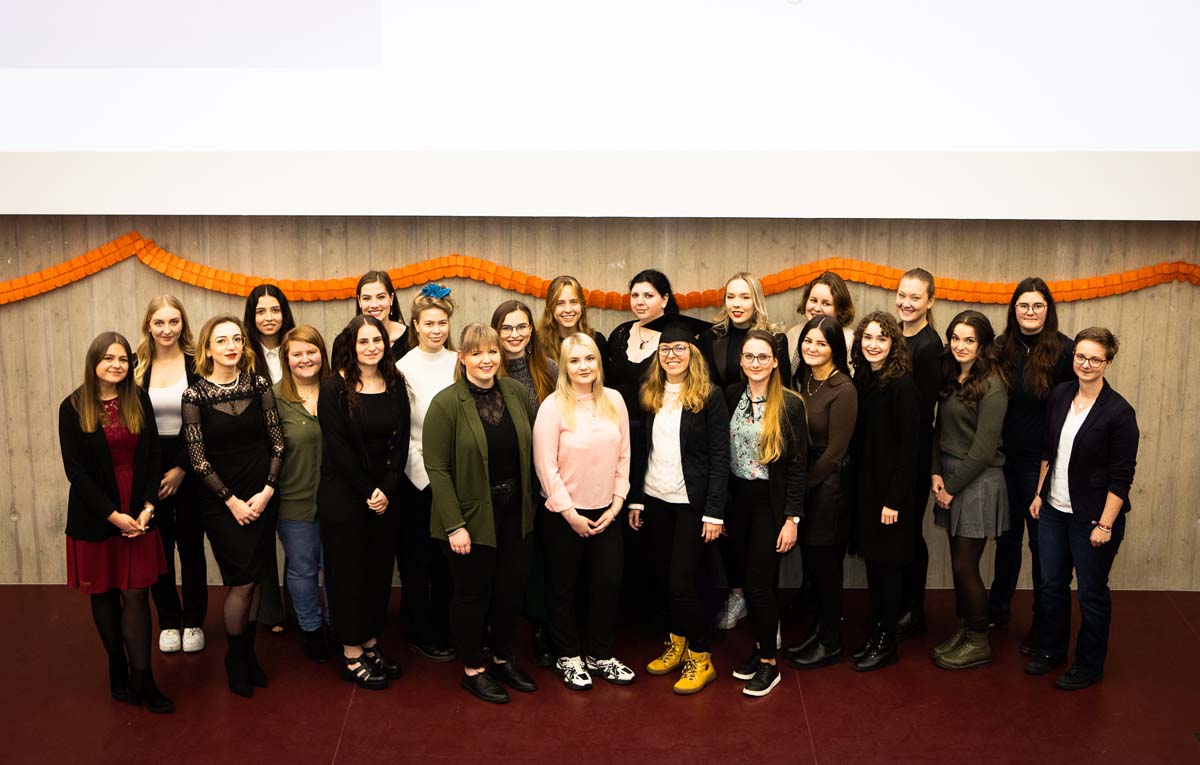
1081, 502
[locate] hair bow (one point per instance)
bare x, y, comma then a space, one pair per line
435, 291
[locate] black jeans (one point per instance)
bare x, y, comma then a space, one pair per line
676, 534
603, 557
179, 525
1066, 545
753, 532
489, 583
916, 573
886, 584
1022, 485
424, 578
823, 570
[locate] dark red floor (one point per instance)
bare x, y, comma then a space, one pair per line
55, 706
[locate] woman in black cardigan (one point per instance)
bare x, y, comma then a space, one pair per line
363, 410
768, 444
110, 453
1081, 502
686, 427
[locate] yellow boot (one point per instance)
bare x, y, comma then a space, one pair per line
671, 658
698, 672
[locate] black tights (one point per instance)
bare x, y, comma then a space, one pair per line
969, 592
123, 621
240, 602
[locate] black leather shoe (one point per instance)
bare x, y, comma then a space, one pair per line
514, 678
1076, 679
314, 646
118, 679
817, 655
869, 645
910, 623
1041, 663
792, 652
144, 691
434, 652
1029, 644
382, 663
484, 687
882, 652
360, 671
254, 670
542, 655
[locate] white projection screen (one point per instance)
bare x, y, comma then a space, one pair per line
1082, 109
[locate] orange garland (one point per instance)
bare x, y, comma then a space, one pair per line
459, 266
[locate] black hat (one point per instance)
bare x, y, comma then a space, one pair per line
677, 327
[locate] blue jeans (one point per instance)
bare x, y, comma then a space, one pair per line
1022, 481
304, 561
1065, 546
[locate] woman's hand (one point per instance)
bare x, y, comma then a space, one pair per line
460, 541
170, 482
787, 537
144, 518
635, 518
258, 503
943, 498
1035, 507
937, 485
127, 525
606, 519
711, 531
888, 516
1100, 537
578, 523
242, 512
378, 502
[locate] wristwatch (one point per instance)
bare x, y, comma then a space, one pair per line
795, 519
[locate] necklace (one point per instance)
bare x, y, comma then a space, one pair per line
1079, 404
808, 384
642, 344
228, 385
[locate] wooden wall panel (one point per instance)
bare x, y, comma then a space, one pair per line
43, 340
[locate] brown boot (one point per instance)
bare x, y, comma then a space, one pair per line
974, 651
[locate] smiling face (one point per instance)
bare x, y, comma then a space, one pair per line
268, 316
374, 300
739, 303
165, 327
820, 302
481, 364
646, 302
964, 344
304, 359
1090, 361
1030, 310
875, 345
433, 327
674, 358
582, 367
368, 347
225, 345
815, 349
567, 310
912, 300
515, 331
758, 361
114, 365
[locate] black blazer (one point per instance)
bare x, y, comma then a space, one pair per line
180, 458
1104, 454
704, 447
88, 463
713, 346
786, 475
345, 456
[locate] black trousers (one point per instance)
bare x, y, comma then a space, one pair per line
179, 525
916, 573
359, 551
752, 529
676, 534
489, 583
1022, 478
424, 578
886, 583
602, 557
823, 569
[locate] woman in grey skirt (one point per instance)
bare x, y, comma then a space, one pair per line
971, 499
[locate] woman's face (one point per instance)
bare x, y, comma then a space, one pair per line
375, 300
646, 302
912, 300
820, 302
225, 345
515, 330
582, 366
369, 346
758, 360
567, 309
815, 348
875, 345
964, 344
433, 327
674, 358
481, 365
1030, 309
739, 303
114, 365
304, 359
1090, 361
268, 316
166, 324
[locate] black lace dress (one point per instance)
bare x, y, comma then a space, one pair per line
235, 444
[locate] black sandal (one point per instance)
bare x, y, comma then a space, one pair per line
363, 673
382, 664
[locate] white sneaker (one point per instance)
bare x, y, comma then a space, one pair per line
611, 670
733, 612
193, 639
574, 674
168, 641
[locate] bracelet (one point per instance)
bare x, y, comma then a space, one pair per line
1104, 528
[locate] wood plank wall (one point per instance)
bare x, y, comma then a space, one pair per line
42, 341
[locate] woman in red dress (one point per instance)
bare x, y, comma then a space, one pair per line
111, 455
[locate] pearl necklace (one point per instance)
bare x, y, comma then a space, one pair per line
228, 385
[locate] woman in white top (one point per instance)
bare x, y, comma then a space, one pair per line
165, 369
581, 454
428, 367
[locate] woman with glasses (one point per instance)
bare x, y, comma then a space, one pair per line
1081, 501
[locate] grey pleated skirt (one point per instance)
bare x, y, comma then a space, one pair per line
978, 511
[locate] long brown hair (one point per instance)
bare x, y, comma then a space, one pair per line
898, 362
971, 389
302, 334
539, 370
772, 442
548, 336
346, 362
146, 346
1010, 349
696, 384
86, 398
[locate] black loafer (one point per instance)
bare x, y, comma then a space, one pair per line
434, 652
818, 655
1041, 663
484, 688
1075, 679
792, 652
514, 678
910, 623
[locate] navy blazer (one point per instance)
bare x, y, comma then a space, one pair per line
1104, 454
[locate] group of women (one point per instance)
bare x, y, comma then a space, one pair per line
532, 465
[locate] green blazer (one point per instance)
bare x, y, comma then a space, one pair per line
456, 461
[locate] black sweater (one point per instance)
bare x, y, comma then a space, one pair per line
1025, 421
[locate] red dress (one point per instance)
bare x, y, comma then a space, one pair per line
117, 562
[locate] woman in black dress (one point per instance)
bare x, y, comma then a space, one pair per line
110, 454
885, 458
235, 444
364, 414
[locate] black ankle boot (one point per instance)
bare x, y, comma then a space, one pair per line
314, 646
258, 678
145, 690
118, 678
236, 667
883, 651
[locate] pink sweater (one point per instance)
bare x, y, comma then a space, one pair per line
582, 468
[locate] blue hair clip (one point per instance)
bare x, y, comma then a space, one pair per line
435, 291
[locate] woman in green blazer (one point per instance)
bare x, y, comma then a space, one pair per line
478, 447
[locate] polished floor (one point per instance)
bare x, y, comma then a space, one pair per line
55, 707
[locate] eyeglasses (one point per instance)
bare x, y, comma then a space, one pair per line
1089, 361
762, 358
509, 329
667, 350
1031, 307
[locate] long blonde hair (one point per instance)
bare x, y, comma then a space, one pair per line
566, 391
772, 442
757, 297
146, 346
696, 384
86, 398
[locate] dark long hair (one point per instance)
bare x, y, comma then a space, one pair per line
831, 329
539, 370
1010, 349
972, 389
382, 277
661, 284
86, 398
345, 359
252, 333
898, 362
